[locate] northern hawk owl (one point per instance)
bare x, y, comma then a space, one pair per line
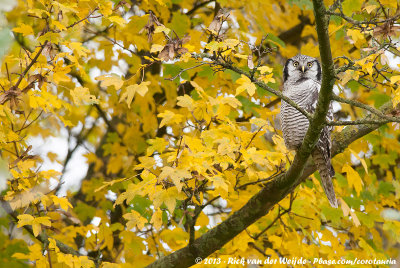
302, 82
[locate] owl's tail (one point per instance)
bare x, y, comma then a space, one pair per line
326, 172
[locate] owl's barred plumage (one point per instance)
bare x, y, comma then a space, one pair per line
302, 82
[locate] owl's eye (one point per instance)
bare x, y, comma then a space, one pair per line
295, 64
309, 65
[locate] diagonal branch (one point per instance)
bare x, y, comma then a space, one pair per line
30, 65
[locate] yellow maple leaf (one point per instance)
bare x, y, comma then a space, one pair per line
231, 43
156, 219
389, 3
170, 117
36, 224
185, 101
258, 122
396, 98
265, 69
176, 175
369, 8
78, 48
268, 78
214, 46
146, 162
345, 207
185, 57
157, 144
241, 56
170, 196
231, 101
24, 219
118, 20
135, 220
20, 256
110, 80
355, 219
202, 220
363, 163
220, 183
24, 29
59, 25
245, 84
81, 95
355, 35
394, 79
353, 178
162, 28
53, 245
156, 48
131, 90
48, 174
62, 202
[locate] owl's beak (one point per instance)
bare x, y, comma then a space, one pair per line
302, 68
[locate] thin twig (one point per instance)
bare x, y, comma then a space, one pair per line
183, 70
30, 65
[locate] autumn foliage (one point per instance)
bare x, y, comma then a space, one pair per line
174, 106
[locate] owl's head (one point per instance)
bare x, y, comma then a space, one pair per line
302, 67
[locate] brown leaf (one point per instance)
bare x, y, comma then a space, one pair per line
171, 51
216, 24
60, 15
185, 39
182, 50
386, 29
35, 78
49, 50
164, 53
173, 48
12, 96
250, 63
151, 26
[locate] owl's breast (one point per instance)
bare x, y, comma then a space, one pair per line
294, 126
294, 123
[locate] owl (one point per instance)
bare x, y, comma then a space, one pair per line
301, 83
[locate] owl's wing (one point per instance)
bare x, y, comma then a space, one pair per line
324, 143
322, 153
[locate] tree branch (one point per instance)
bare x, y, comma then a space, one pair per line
30, 65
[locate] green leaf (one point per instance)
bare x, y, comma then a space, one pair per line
385, 188
331, 214
336, 19
275, 40
303, 4
84, 211
234, 75
248, 106
353, 85
180, 23
379, 99
352, 202
142, 206
208, 72
349, 6
170, 70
